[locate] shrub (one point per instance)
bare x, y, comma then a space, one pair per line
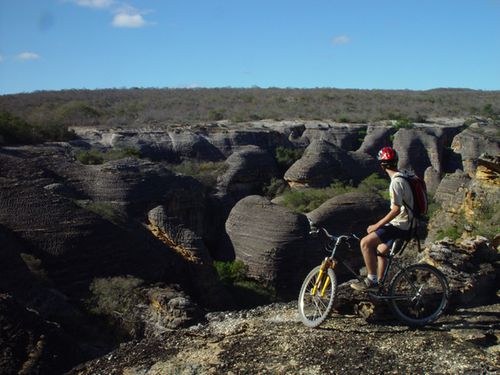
308, 199
206, 172
106, 210
245, 291
403, 123
285, 157
95, 156
14, 130
277, 186
116, 300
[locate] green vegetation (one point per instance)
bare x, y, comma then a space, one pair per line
246, 292
106, 210
403, 123
276, 186
14, 130
115, 298
95, 156
206, 172
285, 157
308, 199
129, 107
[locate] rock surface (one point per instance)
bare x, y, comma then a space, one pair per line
271, 340
272, 241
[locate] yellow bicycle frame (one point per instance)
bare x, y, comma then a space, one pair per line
325, 265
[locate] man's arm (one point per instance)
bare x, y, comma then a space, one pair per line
395, 210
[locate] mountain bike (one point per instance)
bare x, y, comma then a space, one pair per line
417, 294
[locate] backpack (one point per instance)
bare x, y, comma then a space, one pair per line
419, 190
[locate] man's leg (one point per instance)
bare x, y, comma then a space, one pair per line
368, 245
381, 261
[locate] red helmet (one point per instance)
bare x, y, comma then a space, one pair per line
387, 155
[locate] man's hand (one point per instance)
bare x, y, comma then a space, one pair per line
371, 228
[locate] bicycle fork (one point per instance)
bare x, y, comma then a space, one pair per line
325, 265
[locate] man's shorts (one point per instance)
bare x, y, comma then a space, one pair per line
388, 233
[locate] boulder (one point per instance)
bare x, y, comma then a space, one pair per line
468, 264
478, 138
31, 345
273, 242
345, 136
248, 170
350, 213
321, 164
423, 146
190, 246
377, 136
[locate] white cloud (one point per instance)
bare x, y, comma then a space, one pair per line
129, 18
94, 3
341, 39
24, 56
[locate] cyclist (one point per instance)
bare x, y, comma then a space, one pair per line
396, 224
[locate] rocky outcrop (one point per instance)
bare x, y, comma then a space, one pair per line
190, 247
272, 241
248, 170
480, 137
469, 205
471, 266
422, 147
31, 345
350, 213
271, 340
321, 164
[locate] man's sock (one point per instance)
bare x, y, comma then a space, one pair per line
373, 279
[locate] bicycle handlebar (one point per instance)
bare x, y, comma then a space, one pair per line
336, 239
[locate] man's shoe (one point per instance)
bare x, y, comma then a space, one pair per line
365, 285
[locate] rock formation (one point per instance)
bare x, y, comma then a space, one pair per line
272, 241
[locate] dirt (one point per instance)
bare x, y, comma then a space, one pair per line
271, 340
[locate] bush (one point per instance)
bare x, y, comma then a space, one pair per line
276, 187
206, 172
116, 300
245, 291
14, 130
285, 157
308, 199
95, 156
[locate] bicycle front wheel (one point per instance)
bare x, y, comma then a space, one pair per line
418, 294
317, 296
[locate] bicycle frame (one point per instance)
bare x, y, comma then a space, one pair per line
331, 262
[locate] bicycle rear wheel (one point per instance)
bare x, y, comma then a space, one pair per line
418, 294
316, 303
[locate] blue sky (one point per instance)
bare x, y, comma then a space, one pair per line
365, 44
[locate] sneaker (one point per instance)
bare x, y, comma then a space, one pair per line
365, 285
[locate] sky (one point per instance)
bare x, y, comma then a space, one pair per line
361, 44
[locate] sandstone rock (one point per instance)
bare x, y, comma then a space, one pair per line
450, 185
321, 163
272, 241
188, 245
467, 264
248, 170
345, 136
377, 136
31, 345
477, 139
421, 147
349, 213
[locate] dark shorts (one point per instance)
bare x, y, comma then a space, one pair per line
388, 233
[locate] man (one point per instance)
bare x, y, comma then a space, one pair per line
396, 224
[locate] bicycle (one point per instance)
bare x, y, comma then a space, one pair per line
417, 294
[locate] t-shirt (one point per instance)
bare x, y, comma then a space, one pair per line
401, 195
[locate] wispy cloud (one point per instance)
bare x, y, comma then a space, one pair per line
25, 56
341, 39
129, 17
94, 3
124, 15
1, 58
